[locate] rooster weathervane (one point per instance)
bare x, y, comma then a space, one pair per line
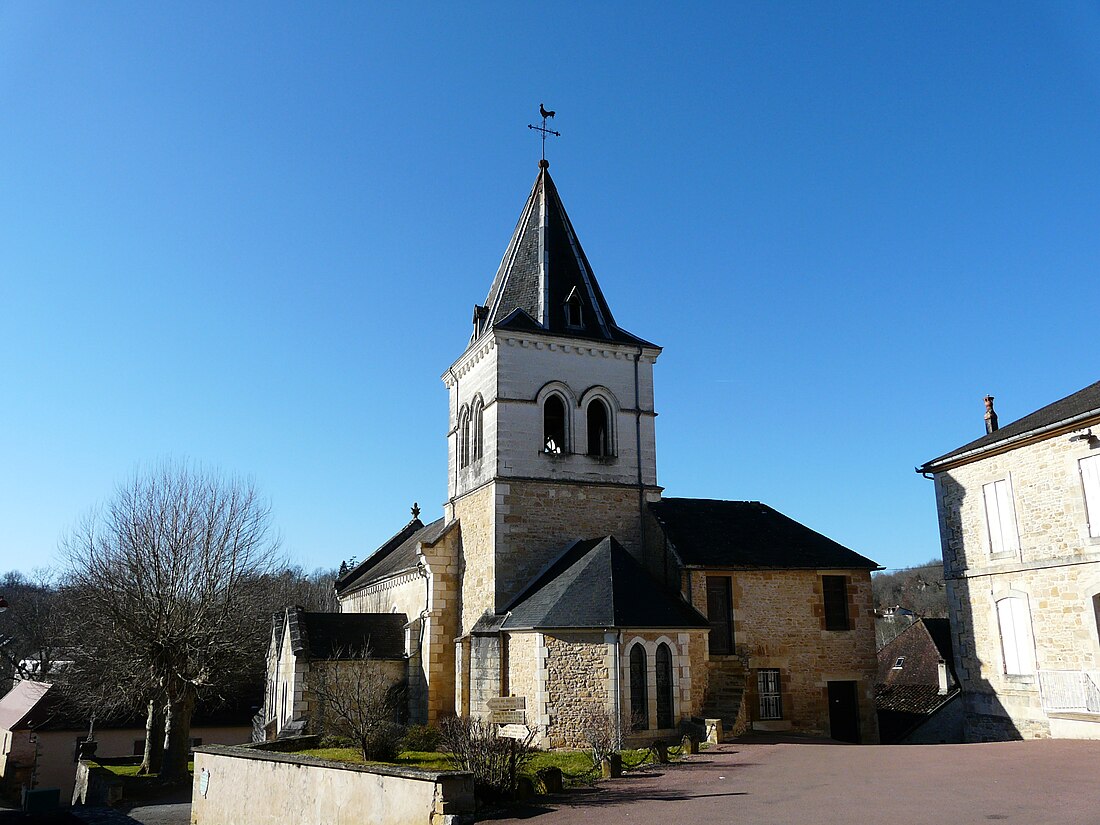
543, 130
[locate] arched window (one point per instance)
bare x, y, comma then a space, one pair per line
477, 439
664, 687
464, 437
599, 431
639, 699
553, 425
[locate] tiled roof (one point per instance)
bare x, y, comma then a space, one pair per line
909, 698
748, 534
1083, 404
542, 267
598, 584
397, 554
347, 635
923, 645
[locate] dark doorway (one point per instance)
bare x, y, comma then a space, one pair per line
843, 711
720, 613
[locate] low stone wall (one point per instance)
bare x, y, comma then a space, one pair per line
235, 785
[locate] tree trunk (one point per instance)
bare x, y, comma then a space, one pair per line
178, 738
154, 738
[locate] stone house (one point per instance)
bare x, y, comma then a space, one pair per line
303, 642
917, 695
1019, 514
560, 586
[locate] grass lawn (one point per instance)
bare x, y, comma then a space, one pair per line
131, 771
575, 765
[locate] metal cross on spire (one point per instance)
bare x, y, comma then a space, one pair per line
543, 130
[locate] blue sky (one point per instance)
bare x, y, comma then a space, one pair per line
251, 235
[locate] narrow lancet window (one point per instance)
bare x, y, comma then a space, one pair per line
599, 436
464, 438
477, 430
664, 687
553, 425
639, 699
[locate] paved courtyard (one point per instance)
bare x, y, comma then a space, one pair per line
811, 783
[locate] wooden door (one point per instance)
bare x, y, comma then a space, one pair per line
720, 613
844, 711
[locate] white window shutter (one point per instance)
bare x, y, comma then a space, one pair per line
1016, 638
1009, 646
993, 519
1090, 477
1010, 536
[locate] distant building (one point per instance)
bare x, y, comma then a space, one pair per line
1019, 513
39, 738
917, 694
303, 642
560, 583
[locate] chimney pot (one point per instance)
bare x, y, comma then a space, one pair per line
990, 415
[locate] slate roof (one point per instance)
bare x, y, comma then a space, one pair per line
748, 534
542, 266
1081, 405
598, 584
339, 635
396, 555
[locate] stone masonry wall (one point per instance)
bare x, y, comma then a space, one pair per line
524, 672
577, 666
1056, 572
537, 521
476, 559
779, 623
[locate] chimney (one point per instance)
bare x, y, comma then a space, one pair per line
990, 415
943, 678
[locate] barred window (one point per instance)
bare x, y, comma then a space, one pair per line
771, 700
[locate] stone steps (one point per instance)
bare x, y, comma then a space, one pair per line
725, 687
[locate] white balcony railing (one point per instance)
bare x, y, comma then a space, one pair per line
1070, 691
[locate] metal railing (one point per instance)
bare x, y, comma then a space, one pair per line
1070, 691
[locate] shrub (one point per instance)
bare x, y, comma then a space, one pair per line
421, 738
495, 761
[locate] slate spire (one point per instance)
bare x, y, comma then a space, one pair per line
545, 282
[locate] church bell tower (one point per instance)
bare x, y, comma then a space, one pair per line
551, 435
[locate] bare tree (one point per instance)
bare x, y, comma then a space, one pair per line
33, 628
359, 698
161, 580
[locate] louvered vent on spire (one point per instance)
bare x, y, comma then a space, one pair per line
545, 282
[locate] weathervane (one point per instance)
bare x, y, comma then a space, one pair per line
543, 130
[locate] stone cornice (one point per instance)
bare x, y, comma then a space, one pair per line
393, 580
469, 359
577, 346
1022, 440
554, 343
499, 479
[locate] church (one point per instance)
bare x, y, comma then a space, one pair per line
560, 587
